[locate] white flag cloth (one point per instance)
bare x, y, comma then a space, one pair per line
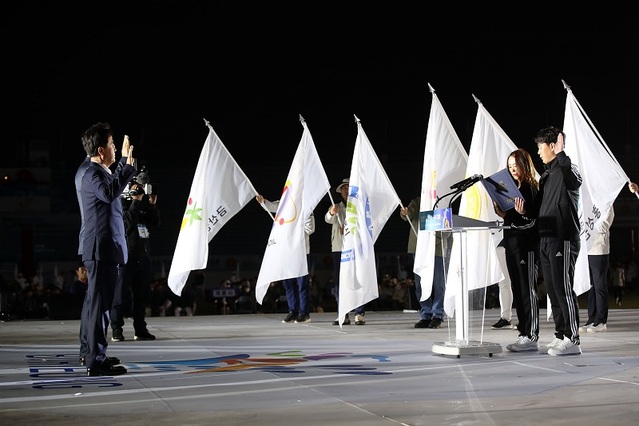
445, 161
220, 189
603, 179
489, 150
306, 184
371, 201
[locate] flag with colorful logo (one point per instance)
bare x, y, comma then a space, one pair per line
306, 184
371, 200
489, 150
445, 162
220, 189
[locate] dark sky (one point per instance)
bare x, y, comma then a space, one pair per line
155, 69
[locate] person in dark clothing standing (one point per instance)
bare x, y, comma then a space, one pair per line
556, 212
141, 214
103, 245
79, 174
521, 244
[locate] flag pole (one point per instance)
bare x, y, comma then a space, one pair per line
410, 222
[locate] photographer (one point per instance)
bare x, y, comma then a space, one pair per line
140, 216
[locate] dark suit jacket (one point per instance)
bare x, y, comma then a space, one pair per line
79, 174
104, 238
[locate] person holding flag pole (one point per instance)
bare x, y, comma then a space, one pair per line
336, 216
297, 289
370, 202
287, 249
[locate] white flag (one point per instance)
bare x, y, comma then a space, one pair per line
371, 201
306, 184
489, 150
602, 180
220, 189
445, 162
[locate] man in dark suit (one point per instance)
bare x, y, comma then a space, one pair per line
104, 246
79, 174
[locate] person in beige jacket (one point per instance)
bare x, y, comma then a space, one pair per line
336, 215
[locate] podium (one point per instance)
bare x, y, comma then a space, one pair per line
443, 220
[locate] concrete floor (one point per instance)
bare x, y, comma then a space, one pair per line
253, 369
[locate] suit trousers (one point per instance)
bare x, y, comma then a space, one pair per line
99, 298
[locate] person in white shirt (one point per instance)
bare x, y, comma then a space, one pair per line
598, 264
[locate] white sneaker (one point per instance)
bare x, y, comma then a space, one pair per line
359, 320
523, 343
584, 328
566, 347
545, 348
597, 328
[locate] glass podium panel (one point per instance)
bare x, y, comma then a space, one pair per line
465, 298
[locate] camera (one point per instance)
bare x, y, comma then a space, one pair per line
140, 185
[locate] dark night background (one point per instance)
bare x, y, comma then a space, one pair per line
156, 70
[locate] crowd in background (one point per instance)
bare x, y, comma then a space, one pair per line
24, 297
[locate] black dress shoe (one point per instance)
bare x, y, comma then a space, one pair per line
435, 323
422, 323
144, 335
113, 360
106, 369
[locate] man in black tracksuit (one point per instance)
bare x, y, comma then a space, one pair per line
556, 211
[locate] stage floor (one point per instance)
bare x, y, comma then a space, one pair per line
254, 369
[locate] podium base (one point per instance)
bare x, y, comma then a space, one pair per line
466, 348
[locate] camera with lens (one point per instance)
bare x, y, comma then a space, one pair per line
140, 185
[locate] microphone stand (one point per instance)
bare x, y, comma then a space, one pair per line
455, 193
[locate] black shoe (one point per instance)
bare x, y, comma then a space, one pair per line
435, 323
347, 321
106, 369
303, 318
145, 335
502, 323
290, 317
113, 360
422, 323
117, 335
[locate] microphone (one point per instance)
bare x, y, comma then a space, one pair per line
467, 183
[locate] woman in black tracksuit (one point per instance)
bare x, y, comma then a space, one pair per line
521, 244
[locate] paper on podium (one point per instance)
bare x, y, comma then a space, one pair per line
444, 219
502, 189
436, 220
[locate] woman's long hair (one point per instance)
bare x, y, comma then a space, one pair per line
525, 166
